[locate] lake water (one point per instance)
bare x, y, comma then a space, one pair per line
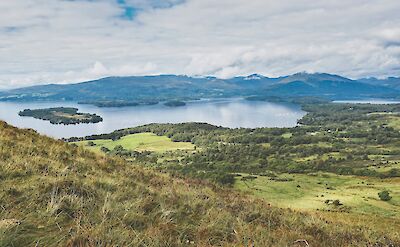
368, 101
231, 113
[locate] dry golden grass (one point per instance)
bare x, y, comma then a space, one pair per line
54, 194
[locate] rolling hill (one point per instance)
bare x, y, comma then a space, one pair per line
327, 86
144, 89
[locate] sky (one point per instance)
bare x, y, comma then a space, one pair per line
67, 41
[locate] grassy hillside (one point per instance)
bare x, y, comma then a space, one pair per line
311, 191
55, 194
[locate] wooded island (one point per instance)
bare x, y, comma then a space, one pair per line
61, 115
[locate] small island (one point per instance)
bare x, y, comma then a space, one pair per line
61, 115
175, 103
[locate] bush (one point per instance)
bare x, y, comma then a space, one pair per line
250, 177
118, 148
224, 179
337, 203
384, 195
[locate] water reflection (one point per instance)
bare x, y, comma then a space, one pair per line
232, 113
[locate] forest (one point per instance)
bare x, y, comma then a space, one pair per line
346, 139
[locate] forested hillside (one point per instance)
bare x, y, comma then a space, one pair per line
57, 194
139, 90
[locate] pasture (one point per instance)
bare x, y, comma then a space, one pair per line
140, 142
311, 192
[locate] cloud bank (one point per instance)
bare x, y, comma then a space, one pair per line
48, 41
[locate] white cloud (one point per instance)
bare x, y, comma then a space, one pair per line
96, 71
45, 41
99, 70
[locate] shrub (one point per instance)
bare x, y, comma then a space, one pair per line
119, 148
384, 195
250, 177
281, 179
337, 203
224, 179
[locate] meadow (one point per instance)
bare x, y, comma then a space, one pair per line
139, 142
311, 192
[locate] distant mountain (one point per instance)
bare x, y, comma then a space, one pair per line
180, 87
327, 86
314, 77
254, 82
163, 87
392, 82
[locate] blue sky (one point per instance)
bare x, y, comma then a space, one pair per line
50, 41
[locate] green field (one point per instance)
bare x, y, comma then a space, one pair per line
140, 142
394, 121
309, 192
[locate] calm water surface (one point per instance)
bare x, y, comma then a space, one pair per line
231, 113
368, 101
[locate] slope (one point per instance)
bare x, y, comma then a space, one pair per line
54, 194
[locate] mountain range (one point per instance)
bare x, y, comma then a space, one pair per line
181, 87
